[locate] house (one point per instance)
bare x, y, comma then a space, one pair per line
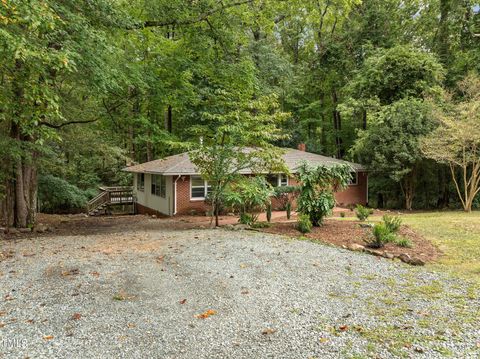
173, 185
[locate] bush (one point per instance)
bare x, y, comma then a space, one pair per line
381, 235
342, 214
261, 225
269, 212
286, 195
363, 212
248, 196
56, 195
404, 242
392, 223
304, 224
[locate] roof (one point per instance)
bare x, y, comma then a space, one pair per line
181, 165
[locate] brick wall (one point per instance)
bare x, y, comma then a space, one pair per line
184, 204
352, 195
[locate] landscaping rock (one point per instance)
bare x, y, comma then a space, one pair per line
415, 261
365, 225
388, 255
404, 257
374, 252
356, 247
40, 228
240, 226
24, 230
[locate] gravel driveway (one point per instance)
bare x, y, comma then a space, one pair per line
141, 294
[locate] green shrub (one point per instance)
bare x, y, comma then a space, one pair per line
288, 208
56, 195
261, 225
404, 242
286, 195
363, 212
304, 224
249, 196
381, 235
246, 218
392, 223
342, 214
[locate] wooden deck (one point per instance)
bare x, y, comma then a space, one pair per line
110, 196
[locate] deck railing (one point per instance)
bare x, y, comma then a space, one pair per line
110, 196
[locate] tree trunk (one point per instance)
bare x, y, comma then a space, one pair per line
337, 125
168, 119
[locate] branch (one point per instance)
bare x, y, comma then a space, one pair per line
51, 125
190, 21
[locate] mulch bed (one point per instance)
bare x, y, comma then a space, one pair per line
345, 233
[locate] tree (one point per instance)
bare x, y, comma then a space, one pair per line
390, 146
237, 138
456, 141
317, 188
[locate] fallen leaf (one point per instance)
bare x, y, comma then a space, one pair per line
131, 325
245, 292
95, 274
48, 337
343, 328
268, 331
243, 265
76, 316
323, 340
2, 313
2, 325
183, 301
160, 259
29, 321
206, 314
9, 297
70, 272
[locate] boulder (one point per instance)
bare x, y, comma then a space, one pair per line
365, 225
404, 257
40, 228
388, 255
374, 252
415, 261
356, 247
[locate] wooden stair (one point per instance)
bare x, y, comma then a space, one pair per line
110, 196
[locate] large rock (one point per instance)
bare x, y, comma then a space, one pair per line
24, 230
40, 228
356, 247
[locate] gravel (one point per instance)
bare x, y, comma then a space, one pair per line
139, 294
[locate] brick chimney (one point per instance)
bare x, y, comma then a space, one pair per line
302, 147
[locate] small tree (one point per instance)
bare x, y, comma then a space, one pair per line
456, 142
238, 138
249, 196
317, 188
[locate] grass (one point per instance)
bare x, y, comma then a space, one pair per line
456, 233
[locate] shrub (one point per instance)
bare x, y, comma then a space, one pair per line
56, 195
381, 235
392, 223
363, 212
286, 195
319, 183
246, 218
261, 225
342, 214
249, 197
304, 224
404, 242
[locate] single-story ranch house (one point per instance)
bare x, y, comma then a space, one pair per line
173, 185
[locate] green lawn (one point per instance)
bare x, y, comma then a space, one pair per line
457, 234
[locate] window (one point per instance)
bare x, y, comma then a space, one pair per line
141, 181
199, 187
354, 179
159, 185
277, 180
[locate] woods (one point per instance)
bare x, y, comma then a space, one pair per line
90, 87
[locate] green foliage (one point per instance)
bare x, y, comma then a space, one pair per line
362, 212
304, 224
286, 195
404, 242
55, 195
380, 236
316, 198
342, 214
393, 223
248, 196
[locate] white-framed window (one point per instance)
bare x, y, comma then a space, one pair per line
199, 188
159, 186
141, 181
277, 180
353, 179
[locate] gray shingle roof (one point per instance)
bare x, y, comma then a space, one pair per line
181, 165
